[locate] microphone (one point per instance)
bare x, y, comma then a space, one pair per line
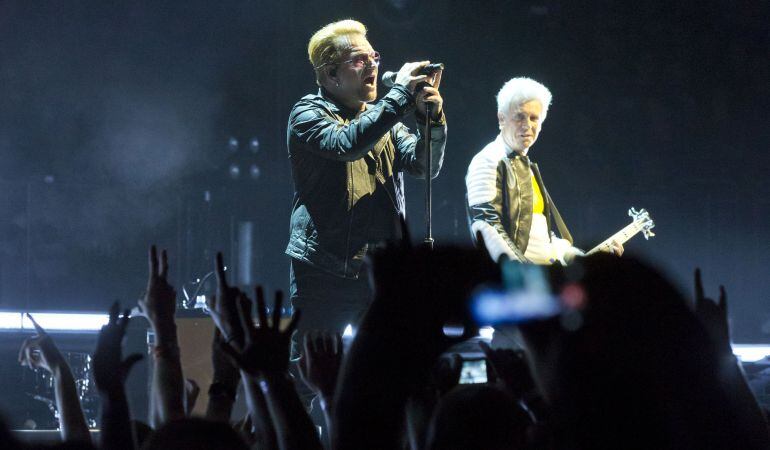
389, 78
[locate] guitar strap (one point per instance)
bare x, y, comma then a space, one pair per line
560, 225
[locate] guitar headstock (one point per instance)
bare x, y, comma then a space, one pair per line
643, 220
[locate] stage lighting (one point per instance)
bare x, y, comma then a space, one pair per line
254, 145
232, 144
66, 322
453, 330
399, 11
486, 333
255, 172
234, 171
18, 321
10, 321
751, 352
401, 5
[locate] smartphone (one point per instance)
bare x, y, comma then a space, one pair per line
474, 371
525, 295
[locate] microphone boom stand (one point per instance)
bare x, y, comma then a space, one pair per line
428, 177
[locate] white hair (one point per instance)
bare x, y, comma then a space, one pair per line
520, 90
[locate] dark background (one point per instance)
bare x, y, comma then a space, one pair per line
115, 119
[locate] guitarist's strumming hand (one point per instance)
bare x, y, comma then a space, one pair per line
570, 254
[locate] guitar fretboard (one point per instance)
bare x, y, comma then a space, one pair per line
621, 236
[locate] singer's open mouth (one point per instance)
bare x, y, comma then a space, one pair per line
370, 80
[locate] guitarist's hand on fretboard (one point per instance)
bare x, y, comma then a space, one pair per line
642, 222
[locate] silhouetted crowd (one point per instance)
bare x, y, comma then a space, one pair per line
627, 363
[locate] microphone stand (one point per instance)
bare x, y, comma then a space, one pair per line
428, 178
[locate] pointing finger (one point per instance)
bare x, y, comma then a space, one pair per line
261, 308
153, 261
163, 264
338, 343
38, 328
698, 286
114, 311
220, 269
277, 310
723, 299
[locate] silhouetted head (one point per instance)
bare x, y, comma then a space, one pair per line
478, 416
632, 367
195, 434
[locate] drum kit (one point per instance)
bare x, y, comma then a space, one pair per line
39, 386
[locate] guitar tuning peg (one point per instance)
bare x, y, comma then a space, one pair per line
648, 234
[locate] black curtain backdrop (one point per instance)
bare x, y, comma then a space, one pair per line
115, 119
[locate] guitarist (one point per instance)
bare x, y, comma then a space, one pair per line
507, 200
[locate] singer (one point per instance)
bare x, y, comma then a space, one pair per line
507, 200
347, 159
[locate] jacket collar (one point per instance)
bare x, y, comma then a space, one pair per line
511, 153
336, 106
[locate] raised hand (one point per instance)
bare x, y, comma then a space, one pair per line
430, 94
191, 392
224, 383
110, 369
434, 285
266, 347
224, 307
159, 306
321, 361
110, 373
417, 291
713, 315
409, 75
159, 302
224, 370
510, 367
40, 351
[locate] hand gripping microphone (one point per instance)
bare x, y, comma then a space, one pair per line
389, 78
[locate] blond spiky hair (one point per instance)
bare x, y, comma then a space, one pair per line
327, 44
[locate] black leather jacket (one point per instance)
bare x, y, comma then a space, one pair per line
347, 169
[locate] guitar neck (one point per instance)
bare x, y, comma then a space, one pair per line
621, 237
